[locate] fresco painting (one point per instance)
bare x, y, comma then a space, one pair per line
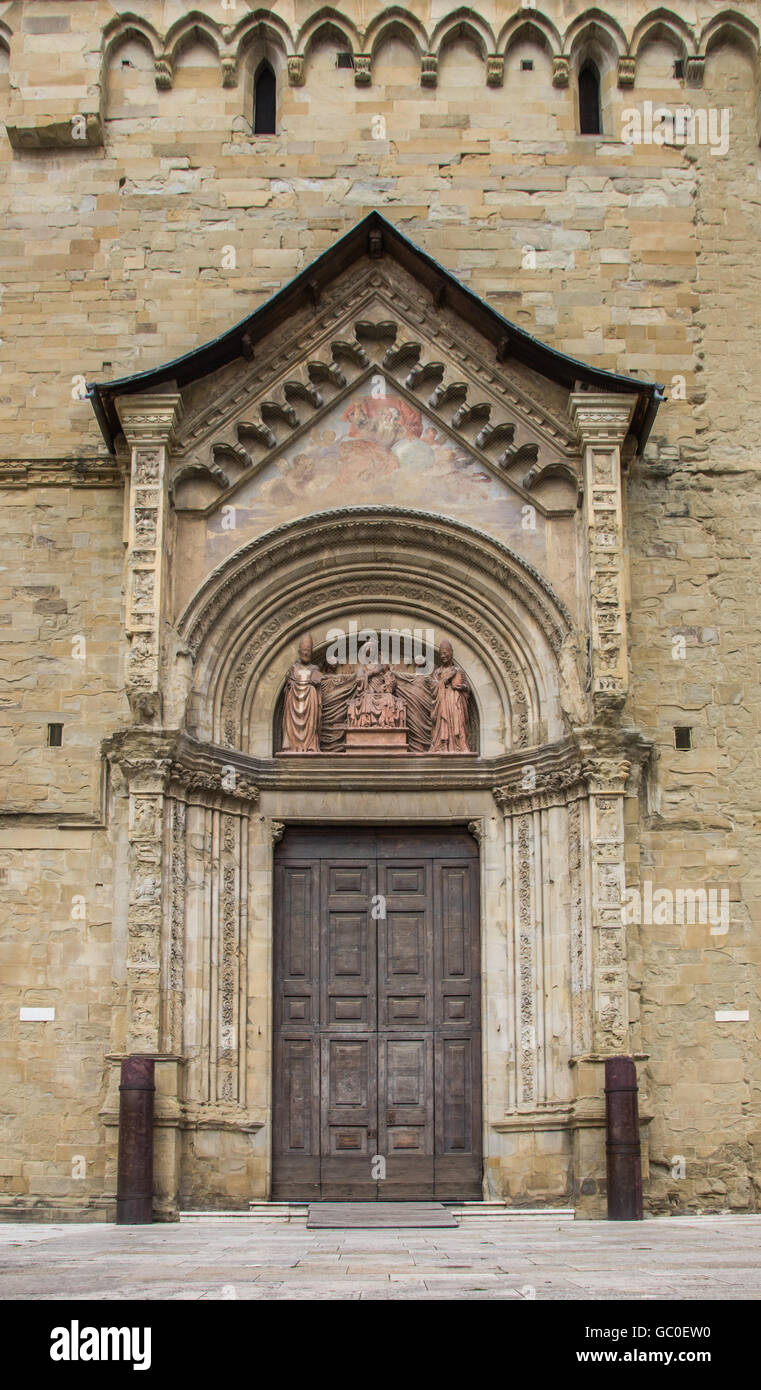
377, 450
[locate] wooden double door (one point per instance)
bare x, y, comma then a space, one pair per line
377, 1056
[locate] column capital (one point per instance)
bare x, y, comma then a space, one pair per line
601, 418
149, 418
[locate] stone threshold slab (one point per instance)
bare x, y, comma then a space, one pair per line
386, 1215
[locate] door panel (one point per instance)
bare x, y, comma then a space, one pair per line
377, 1047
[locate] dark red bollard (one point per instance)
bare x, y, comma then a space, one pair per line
622, 1148
134, 1180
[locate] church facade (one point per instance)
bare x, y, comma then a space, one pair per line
379, 603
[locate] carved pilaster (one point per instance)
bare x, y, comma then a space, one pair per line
145, 908
602, 422
607, 776
148, 423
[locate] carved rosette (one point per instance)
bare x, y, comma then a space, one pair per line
148, 423
602, 422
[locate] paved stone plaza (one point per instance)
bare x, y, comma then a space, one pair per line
711, 1257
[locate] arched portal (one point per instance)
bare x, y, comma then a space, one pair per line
310, 993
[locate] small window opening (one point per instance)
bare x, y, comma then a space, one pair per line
679, 68
55, 735
344, 60
527, 65
682, 736
264, 100
589, 100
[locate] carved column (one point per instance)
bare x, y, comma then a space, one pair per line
602, 423
148, 423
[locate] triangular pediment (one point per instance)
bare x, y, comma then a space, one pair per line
379, 359
374, 300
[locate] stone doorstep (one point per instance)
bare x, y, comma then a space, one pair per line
299, 1211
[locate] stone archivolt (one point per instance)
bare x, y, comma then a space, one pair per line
238, 620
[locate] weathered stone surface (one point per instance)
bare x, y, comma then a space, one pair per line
127, 254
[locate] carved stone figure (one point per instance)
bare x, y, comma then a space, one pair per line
450, 705
376, 703
303, 703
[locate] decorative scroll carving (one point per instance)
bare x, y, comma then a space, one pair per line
477, 829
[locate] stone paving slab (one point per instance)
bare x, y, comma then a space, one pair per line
715, 1258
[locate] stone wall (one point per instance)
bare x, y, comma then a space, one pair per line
166, 222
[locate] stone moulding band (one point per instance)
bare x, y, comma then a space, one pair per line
370, 524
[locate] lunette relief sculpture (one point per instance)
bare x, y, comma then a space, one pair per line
374, 707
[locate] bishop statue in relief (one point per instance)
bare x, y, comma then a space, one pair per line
450, 705
303, 703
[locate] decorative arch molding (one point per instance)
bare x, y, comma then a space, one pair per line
395, 22
730, 26
466, 23
321, 567
264, 25
327, 23
531, 25
128, 26
664, 24
594, 26
194, 27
